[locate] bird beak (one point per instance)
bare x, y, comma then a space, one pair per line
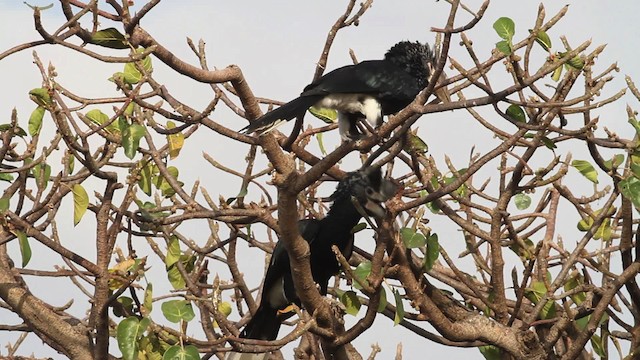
373, 206
374, 209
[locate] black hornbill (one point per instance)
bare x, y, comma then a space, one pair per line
369, 90
370, 190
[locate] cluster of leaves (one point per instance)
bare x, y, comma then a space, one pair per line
630, 184
423, 241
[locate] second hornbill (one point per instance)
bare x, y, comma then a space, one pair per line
367, 90
366, 187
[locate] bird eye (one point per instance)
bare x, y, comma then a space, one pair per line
369, 191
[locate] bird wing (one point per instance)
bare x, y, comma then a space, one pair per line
279, 270
391, 85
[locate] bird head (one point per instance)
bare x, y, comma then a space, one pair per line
415, 58
368, 188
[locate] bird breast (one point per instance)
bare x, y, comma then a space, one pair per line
366, 105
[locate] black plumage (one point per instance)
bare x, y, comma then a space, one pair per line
365, 186
367, 90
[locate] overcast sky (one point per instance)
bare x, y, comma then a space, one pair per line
276, 43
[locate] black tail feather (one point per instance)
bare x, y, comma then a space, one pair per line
286, 112
264, 325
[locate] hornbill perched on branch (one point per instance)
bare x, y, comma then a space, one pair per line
369, 189
369, 90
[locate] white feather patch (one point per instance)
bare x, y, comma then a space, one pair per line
354, 103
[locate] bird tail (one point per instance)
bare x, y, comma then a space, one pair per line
264, 325
276, 117
245, 356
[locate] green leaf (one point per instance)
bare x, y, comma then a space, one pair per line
4, 204
80, 203
147, 304
630, 188
16, 129
515, 113
415, 145
585, 224
557, 73
131, 139
582, 322
359, 227
433, 207
177, 310
490, 352
151, 347
433, 251
329, 116
6, 177
635, 124
144, 178
635, 166
548, 310
128, 111
522, 201
100, 118
128, 332
126, 305
383, 300
35, 121
604, 231
131, 73
576, 62
109, 38
25, 248
70, 163
224, 308
174, 275
148, 211
167, 191
351, 302
543, 40
535, 293
189, 352
586, 169
412, 239
614, 162
175, 141
505, 28
524, 252
173, 251
572, 283
42, 173
320, 141
127, 78
598, 346
548, 143
504, 47
40, 96
361, 273
399, 308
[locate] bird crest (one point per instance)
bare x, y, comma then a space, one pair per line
414, 58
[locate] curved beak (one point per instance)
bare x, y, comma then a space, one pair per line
387, 190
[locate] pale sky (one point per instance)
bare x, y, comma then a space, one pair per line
276, 43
